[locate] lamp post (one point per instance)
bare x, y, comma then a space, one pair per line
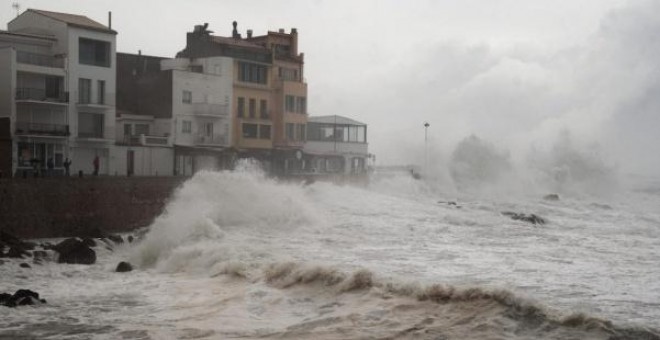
426, 147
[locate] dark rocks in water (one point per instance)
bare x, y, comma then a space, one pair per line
22, 297
551, 197
124, 267
16, 252
531, 218
89, 242
116, 239
74, 251
25, 265
130, 238
39, 254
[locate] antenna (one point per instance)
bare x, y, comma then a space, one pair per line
17, 7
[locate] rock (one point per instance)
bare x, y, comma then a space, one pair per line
123, 267
25, 265
116, 239
89, 242
130, 238
551, 197
16, 252
39, 254
531, 218
74, 251
22, 297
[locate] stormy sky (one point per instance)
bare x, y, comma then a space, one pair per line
518, 74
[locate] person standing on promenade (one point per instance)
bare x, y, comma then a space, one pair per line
67, 166
96, 165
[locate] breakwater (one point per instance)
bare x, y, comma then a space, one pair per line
62, 207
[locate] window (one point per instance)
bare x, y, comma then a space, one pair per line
253, 107
290, 74
252, 73
90, 125
100, 92
301, 132
187, 97
208, 129
250, 130
127, 129
289, 103
93, 52
84, 91
240, 107
186, 126
264, 131
142, 129
196, 68
301, 105
263, 109
290, 131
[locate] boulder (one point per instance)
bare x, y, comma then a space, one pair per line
123, 267
89, 242
130, 238
22, 297
24, 265
17, 252
531, 218
116, 239
74, 251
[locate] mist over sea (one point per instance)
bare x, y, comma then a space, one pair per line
239, 255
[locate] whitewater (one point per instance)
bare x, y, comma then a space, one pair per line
239, 255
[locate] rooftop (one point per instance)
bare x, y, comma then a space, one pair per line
334, 119
74, 20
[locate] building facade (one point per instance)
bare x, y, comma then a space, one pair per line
57, 84
336, 145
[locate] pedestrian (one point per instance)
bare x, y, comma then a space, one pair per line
67, 166
50, 165
96, 165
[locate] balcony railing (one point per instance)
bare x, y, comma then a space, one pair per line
23, 93
211, 109
146, 140
211, 140
39, 59
23, 128
91, 134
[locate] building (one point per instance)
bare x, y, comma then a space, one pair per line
268, 103
57, 81
181, 104
336, 145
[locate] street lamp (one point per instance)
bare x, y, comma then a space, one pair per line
426, 147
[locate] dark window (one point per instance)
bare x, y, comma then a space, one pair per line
100, 92
264, 131
252, 73
93, 52
196, 68
263, 109
290, 103
250, 130
240, 107
90, 125
187, 97
301, 105
84, 91
290, 131
253, 107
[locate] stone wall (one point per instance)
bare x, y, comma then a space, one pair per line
61, 207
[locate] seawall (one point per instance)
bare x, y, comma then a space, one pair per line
62, 207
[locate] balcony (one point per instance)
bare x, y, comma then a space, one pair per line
214, 140
24, 128
212, 110
23, 57
41, 95
146, 140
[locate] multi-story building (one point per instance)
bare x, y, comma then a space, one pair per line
336, 144
269, 94
57, 81
185, 101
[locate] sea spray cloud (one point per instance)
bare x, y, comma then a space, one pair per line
193, 229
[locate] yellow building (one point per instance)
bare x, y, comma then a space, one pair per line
269, 97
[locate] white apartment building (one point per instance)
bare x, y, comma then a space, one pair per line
336, 144
57, 87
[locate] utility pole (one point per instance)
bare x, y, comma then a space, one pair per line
426, 148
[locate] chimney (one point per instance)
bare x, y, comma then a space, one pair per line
234, 32
281, 30
249, 34
294, 42
109, 20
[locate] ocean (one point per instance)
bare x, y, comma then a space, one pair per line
239, 255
